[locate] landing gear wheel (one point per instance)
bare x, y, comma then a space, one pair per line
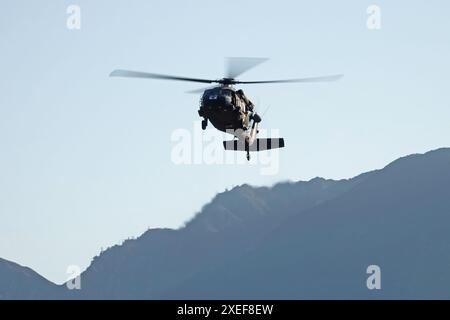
204, 124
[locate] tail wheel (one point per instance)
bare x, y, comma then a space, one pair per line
247, 149
204, 124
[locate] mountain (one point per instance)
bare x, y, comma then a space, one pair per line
300, 240
233, 223
398, 219
17, 282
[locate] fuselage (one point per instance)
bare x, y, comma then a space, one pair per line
226, 108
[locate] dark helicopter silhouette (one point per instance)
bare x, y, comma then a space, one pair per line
227, 108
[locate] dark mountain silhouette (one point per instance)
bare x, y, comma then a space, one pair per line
299, 240
398, 218
17, 282
232, 224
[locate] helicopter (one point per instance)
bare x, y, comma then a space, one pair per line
227, 108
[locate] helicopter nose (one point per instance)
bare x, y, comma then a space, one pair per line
227, 100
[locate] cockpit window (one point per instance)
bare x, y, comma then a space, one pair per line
210, 92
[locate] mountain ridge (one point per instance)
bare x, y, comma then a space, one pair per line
248, 223
430, 241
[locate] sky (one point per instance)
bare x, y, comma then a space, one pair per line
86, 160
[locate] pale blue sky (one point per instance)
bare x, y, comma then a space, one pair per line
84, 164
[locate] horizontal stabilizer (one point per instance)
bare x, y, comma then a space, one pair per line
259, 144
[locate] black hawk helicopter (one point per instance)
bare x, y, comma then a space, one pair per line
227, 108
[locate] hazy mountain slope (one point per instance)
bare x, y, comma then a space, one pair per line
17, 282
233, 223
398, 218
310, 239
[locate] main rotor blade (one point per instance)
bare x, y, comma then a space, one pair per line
305, 80
145, 75
237, 66
200, 90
